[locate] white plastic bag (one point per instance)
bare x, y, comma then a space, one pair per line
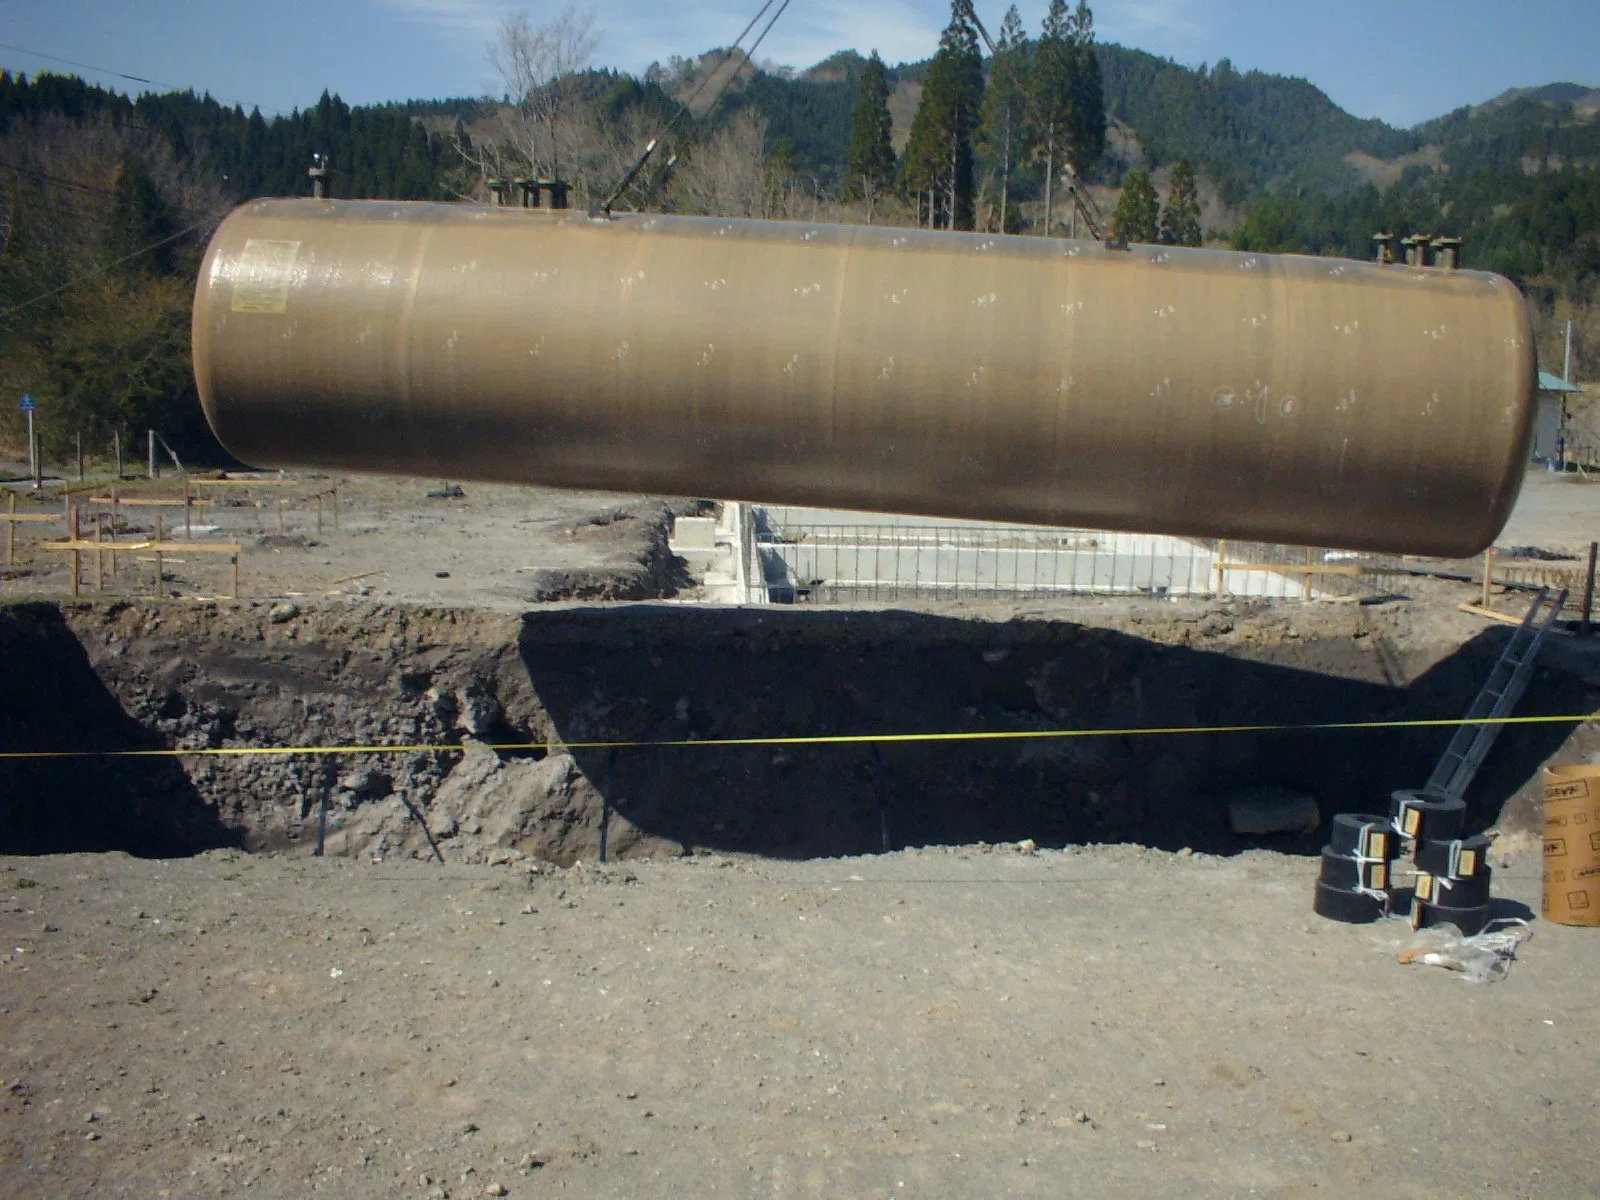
1481, 958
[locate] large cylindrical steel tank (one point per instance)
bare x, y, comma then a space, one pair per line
1287, 399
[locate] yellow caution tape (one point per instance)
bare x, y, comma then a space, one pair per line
844, 739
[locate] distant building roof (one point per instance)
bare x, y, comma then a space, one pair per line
1554, 383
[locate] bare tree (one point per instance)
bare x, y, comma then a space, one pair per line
537, 65
728, 176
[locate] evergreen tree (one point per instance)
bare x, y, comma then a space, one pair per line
1068, 106
869, 165
1005, 104
140, 217
919, 170
1050, 96
1086, 120
1137, 215
954, 97
1180, 220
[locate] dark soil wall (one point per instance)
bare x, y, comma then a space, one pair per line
135, 677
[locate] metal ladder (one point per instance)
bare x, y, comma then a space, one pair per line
1501, 691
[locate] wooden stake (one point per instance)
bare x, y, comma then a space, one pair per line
235, 577
334, 492
1488, 572
159, 571
188, 510
1222, 554
77, 555
11, 528
319, 514
1588, 590
99, 555
277, 505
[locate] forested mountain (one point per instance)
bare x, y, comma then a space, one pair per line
1245, 131
95, 324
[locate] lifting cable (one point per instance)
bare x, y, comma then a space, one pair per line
685, 106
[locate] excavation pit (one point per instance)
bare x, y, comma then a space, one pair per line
527, 699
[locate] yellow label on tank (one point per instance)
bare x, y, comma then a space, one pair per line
266, 268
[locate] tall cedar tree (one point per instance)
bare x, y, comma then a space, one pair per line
1086, 124
1180, 219
869, 166
1069, 112
1050, 96
1005, 106
1137, 216
140, 218
939, 155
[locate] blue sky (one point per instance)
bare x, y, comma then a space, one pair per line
1402, 60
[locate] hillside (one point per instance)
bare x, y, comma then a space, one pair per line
1583, 98
88, 175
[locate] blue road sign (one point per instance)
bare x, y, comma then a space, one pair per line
26, 404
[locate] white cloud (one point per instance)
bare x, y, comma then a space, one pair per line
899, 31
1172, 25
479, 18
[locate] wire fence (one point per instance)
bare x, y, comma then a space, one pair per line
797, 558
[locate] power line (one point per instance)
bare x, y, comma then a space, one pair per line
82, 66
98, 271
87, 66
34, 171
82, 187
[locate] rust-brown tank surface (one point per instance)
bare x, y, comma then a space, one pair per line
1286, 399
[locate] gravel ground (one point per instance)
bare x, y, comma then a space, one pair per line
1103, 1022
961, 1021
492, 547
933, 1023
